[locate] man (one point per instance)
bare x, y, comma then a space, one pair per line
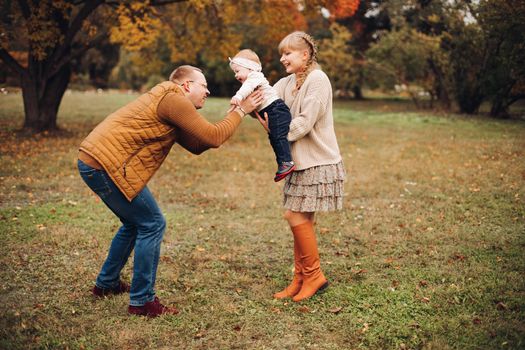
118, 158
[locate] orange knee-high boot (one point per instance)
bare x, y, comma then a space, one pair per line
297, 281
313, 278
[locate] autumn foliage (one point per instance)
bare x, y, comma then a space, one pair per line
343, 8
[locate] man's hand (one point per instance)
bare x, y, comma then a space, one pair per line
250, 103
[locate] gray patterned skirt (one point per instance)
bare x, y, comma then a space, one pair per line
320, 188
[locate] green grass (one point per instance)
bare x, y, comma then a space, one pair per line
428, 253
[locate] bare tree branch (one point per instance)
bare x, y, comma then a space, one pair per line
12, 63
76, 53
76, 25
24, 7
56, 61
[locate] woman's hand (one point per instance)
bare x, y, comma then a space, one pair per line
263, 121
252, 101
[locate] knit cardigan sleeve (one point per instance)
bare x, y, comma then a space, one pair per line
314, 96
194, 132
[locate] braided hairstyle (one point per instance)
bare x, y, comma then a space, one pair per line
301, 41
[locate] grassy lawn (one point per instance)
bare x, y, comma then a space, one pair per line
428, 253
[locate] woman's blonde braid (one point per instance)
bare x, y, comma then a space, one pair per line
311, 64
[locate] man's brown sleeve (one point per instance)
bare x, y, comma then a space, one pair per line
195, 132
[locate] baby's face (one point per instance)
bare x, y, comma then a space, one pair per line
241, 73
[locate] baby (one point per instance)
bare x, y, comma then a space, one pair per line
247, 68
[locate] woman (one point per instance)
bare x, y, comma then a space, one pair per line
317, 182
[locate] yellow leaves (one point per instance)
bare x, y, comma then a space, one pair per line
201, 4
202, 28
336, 58
138, 27
433, 18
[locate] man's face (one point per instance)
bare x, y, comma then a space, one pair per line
197, 89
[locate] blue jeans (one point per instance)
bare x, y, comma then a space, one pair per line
279, 119
142, 228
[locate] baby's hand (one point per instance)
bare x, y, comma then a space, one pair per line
235, 101
233, 104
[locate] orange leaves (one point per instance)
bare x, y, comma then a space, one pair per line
276, 30
343, 8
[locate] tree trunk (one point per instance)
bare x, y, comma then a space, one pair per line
499, 109
469, 98
440, 86
42, 100
358, 92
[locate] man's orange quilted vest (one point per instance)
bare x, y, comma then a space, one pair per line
132, 142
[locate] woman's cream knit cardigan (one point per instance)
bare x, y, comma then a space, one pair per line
312, 135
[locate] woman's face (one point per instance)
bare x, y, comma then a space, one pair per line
294, 61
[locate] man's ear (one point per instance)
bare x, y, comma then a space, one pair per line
186, 86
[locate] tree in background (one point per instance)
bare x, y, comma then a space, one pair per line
503, 24
369, 18
97, 64
464, 44
54, 34
479, 54
207, 33
403, 58
337, 59
485, 41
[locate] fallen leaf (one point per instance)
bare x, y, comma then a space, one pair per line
365, 328
501, 306
304, 309
395, 284
335, 310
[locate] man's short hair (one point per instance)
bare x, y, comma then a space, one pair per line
181, 73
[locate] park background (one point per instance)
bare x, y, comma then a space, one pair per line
429, 115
